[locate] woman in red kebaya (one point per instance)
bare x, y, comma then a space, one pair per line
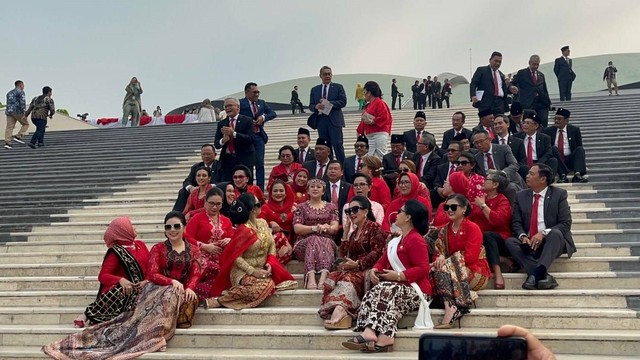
409, 186
287, 167
278, 213
376, 120
196, 199
299, 185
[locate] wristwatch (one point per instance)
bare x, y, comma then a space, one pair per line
546, 232
483, 206
314, 228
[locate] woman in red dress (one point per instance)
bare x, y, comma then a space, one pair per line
195, 201
278, 213
408, 166
467, 164
380, 193
299, 185
210, 231
409, 186
287, 167
376, 120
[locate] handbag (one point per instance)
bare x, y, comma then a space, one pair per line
312, 121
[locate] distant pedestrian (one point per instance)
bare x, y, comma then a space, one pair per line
40, 108
295, 101
132, 106
16, 107
610, 76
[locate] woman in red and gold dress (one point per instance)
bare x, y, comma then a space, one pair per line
210, 231
278, 213
287, 167
196, 198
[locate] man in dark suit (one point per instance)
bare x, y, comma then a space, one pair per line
391, 160
541, 225
490, 82
457, 122
208, 156
567, 147
537, 144
532, 89
486, 123
351, 164
329, 126
414, 94
257, 109
443, 171
318, 166
303, 140
234, 135
436, 90
422, 94
516, 144
428, 92
563, 68
515, 118
295, 101
411, 137
337, 189
394, 94
426, 159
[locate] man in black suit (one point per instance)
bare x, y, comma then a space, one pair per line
318, 167
394, 94
422, 95
567, 147
515, 118
436, 90
352, 163
295, 101
537, 144
563, 68
208, 156
443, 171
490, 82
415, 91
304, 152
337, 189
411, 137
541, 225
234, 135
329, 126
486, 123
391, 160
516, 144
532, 89
457, 122
428, 92
426, 159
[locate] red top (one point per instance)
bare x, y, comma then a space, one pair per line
254, 189
165, 265
281, 213
392, 211
111, 271
200, 229
381, 118
280, 171
379, 193
468, 240
194, 202
499, 218
414, 255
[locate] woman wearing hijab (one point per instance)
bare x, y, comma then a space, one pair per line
409, 186
278, 213
299, 185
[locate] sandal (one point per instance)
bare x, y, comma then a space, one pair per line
78, 323
357, 343
307, 280
368, 348
323, 277
342, 324
211, 303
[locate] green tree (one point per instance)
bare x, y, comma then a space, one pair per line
63, 111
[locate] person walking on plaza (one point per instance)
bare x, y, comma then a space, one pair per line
563, 68
40, 108
16, 107
132, 106
610, 76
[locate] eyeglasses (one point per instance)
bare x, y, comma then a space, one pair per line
361, 184
214, 204
423, 143
359, 146
238, 177
404, 182
167, 227
352, 210
463, 163
452, 207
401, 210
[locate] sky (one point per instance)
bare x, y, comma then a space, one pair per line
185, 51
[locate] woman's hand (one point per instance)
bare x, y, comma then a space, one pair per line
440, 262
389, 275
479, 201
141, 284
275, 228
224, 242
190, 295
127, 286
349, 265
177, 287
262, 274
374, 278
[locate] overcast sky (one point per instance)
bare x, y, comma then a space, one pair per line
184, 51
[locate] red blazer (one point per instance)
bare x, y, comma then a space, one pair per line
111, 271
382, 118
499, 219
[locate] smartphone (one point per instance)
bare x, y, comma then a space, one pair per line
338, 261
458, 346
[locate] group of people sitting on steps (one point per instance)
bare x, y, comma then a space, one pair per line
381, 237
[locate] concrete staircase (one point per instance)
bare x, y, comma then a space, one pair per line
57, 201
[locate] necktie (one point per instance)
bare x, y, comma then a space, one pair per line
398, 159
503, 141
496, 91
358, 164
561, 143
533, 226
452, 169
232, 147
301, 159
490, 163
530, 152
490, 131
324, 91
534, 77
418, 136
254, 109
420, 166
320, 173
334, 194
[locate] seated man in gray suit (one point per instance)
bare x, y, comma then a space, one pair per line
541, 225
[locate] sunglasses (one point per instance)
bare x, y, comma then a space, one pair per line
400, 171
167, 227
402, 211
352, 210
452, 207
461, 163
258, 205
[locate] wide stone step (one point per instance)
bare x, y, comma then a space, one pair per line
605, 342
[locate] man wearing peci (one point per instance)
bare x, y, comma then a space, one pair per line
257, 109
330, 125
488, 88
532, 89
234, 135
563, 68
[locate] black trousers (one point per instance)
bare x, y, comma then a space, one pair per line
299, 104
436, 101
415, 102
422, 101
565, 90
574, 162
495, 247
393, 102
446, 99
181, 200
553, 246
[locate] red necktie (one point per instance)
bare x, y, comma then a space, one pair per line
561, 143
530, 152
358, 165
490, 163
301, 159
534, 77
232, 147
452, 169
334, 194
533, 226
496, 91
320, 173
398, 159
254, 109
418, 136
420, 166
490, 131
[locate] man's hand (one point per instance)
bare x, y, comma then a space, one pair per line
227, 131
260, 120
513, 89
536, 240
474, 99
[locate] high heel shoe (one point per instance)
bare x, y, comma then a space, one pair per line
307, 277
344, 323
457, 316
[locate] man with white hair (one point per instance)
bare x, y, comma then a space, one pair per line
533, 91
234, 136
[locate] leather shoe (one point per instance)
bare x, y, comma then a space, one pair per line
548, 283
578, 178
562, 179
530, 283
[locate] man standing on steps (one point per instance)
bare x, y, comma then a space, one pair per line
257, 109
326, 103
541, 227
563, 68
488, 88
533, 89
208, 156
16, 107
234, 135
394, 94
610, 76
132, 105
568, 150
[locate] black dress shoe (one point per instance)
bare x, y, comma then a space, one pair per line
530, 283
578, 178
547, 283
562, 179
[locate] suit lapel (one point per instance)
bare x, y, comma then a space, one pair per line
526, 210
547, 203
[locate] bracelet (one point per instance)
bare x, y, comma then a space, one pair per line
398, 276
